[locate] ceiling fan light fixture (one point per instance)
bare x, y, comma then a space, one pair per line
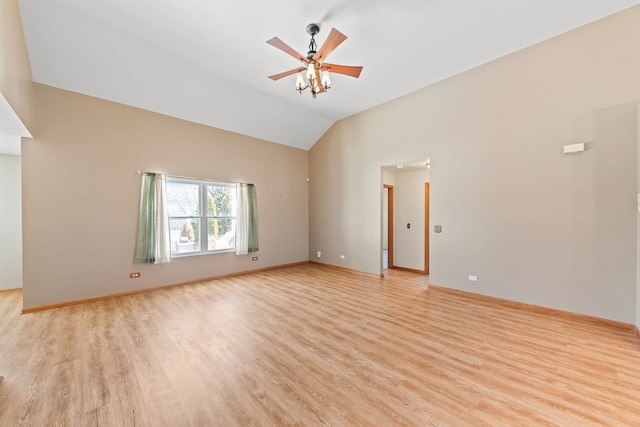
316, 70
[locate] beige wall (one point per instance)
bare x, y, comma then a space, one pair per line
15, 70
10, 223
533, 224
81, 195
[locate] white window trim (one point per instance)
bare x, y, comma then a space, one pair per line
204, 244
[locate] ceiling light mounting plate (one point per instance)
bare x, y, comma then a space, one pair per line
313, 29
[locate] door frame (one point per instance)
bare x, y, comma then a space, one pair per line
426, 227
390, 225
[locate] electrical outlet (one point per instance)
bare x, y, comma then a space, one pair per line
342, 257
473, 278
318, 254
134, 275
255, 258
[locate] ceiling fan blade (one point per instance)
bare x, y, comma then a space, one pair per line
286, 73
333, 40
276, 42
347, 70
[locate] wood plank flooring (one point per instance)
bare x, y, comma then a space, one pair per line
310, 345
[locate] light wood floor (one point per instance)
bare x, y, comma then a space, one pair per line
309, 345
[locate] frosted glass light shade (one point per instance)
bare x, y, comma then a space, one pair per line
326, 81
311, 71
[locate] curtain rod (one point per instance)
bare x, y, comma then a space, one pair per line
193, 178
176, 176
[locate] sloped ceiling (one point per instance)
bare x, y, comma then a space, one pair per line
207, 61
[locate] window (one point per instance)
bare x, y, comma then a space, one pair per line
202, 216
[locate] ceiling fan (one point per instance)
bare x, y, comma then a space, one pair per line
314, 62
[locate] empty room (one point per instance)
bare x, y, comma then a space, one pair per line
351, 213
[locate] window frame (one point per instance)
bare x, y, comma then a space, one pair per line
204, 217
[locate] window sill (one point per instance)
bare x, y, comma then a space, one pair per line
187, 255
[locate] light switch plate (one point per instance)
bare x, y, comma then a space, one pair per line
573, 148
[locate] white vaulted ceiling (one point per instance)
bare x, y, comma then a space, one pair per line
207, 61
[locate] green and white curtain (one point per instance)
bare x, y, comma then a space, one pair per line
247, 219
153, 243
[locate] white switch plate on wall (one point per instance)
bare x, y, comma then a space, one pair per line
573, 148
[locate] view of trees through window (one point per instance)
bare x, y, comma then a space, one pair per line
185, 202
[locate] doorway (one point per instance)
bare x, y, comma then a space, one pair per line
405, 201
12, 130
